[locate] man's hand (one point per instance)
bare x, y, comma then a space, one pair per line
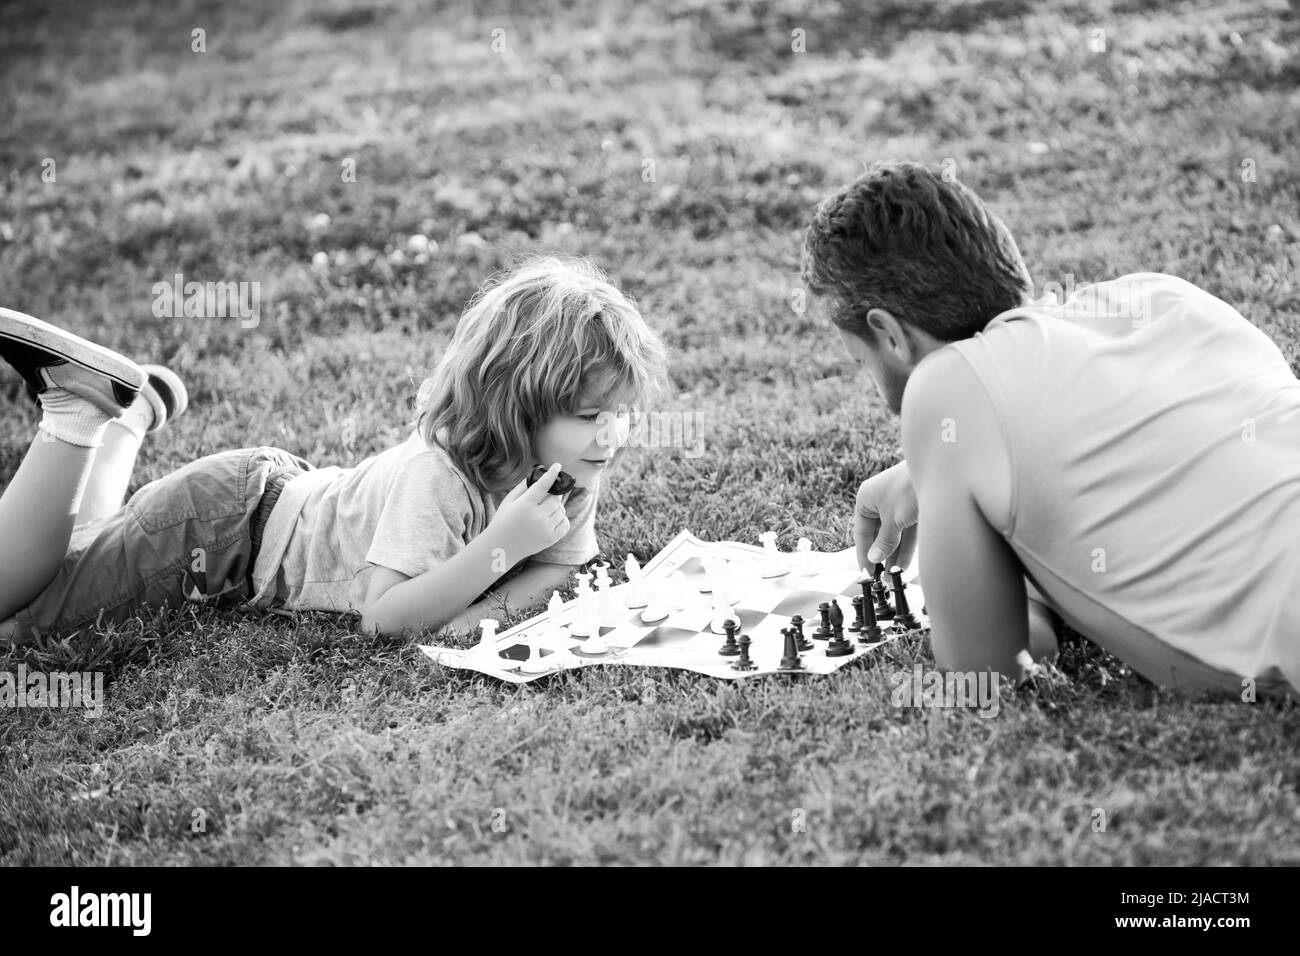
531, 518
884, 519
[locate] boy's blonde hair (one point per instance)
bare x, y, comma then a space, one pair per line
534, 343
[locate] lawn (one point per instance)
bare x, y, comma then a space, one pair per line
683, 145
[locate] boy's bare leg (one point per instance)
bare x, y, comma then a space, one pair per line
37, 513
110, 473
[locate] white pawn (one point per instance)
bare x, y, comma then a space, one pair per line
721, 610
774, 565
636, 583
555, 612
804, 551
487, 642
581, 624
594, 643
679, 595
658, 608
535, 663
606, 612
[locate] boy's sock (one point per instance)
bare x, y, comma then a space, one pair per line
72, 419
138, 418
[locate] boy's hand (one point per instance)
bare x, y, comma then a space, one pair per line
531, 519
884, 519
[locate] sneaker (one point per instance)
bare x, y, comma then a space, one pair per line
165, 393
48, 357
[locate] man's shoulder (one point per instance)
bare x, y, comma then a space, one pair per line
952, 432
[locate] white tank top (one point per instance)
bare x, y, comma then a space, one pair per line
1154, 436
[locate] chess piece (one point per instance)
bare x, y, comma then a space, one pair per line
636, 597
774, 564
824, 630
607, 613
796, 624
790, 661
581, 626
729, 647
534, 663
883, 611
803, 561
743, 662
487, 642
839, 645
869, 633
555, 610
903, 615
858, 619
657, 609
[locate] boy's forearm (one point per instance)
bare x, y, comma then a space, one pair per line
530, 588
435, 597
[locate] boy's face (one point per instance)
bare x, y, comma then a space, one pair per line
584, 443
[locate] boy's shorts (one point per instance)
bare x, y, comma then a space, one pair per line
190, 536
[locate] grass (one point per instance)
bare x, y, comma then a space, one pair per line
300, 741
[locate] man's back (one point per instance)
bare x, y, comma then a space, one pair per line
1154, 441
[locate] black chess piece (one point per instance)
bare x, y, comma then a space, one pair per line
883, 611
870, 631
791, 661
729, 647
824, 631
839, 645
796, 624
903, 615
743, 662
856, 626
562, 485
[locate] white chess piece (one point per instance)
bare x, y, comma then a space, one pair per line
606, 611
635, 583
581, 625
555, 613
774, 564
536, 663
803, 550
658, 608
721, 609
679, 597
487, 642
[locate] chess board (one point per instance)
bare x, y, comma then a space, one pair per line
762, 605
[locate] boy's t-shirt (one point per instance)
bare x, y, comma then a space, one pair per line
1154, 437
409, 508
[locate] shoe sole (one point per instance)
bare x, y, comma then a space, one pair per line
168, 390
26, 330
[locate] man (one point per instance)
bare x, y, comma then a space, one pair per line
1132, 455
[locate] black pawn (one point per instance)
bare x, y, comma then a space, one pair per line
824, 632
856, 626
839, 646
743, 663
903, 616
796, 625
870, 631
883, 611
790, 662
729, 647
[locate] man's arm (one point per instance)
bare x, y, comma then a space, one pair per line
973, 582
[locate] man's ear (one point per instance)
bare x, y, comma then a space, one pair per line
890, 333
